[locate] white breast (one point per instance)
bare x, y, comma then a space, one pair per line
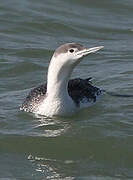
62, 107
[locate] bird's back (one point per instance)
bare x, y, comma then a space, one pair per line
80, 90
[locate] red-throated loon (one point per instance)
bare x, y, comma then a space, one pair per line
61, 96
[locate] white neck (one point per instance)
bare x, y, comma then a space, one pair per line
57, 79
58, 101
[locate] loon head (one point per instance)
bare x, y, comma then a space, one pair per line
63, 61
70, 54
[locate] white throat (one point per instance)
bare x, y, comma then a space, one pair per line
57, 99
57, 78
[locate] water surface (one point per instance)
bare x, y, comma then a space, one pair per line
97, 143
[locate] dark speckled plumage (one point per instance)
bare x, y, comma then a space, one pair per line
78, 89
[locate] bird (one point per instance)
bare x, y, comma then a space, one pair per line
60, 95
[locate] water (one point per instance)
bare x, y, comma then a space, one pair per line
97, 143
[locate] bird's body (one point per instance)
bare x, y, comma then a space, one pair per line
61, 96
81, 91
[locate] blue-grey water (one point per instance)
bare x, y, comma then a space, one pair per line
95, 144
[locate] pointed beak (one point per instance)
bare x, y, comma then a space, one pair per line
85, 52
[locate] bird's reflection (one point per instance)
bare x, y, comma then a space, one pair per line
51, 127
48, 168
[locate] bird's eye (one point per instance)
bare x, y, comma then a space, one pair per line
71, 50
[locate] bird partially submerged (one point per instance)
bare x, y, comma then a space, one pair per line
61, 96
